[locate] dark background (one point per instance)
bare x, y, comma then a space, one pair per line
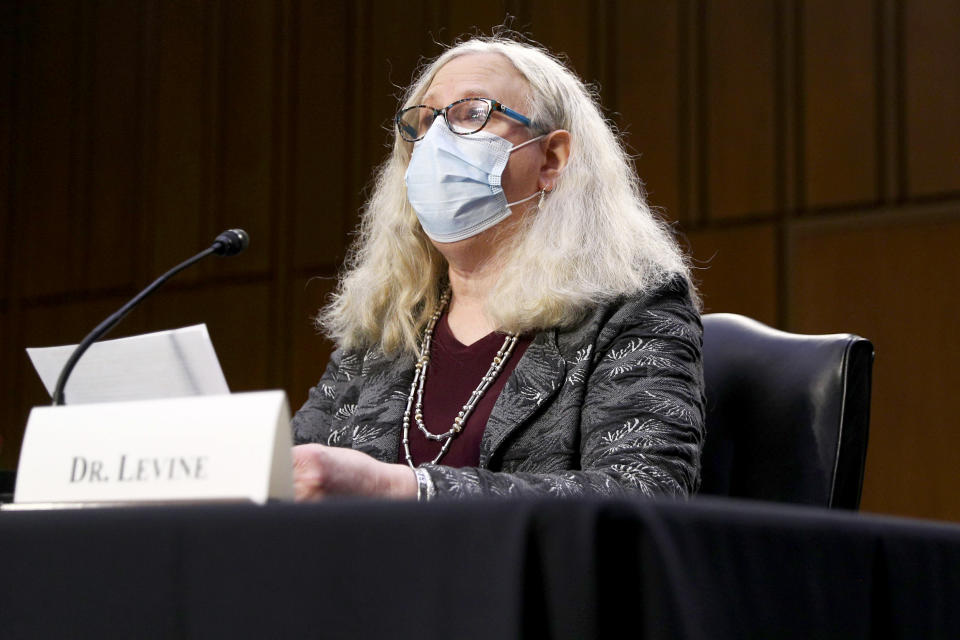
808, 150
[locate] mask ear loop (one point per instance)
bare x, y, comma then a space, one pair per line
523, 144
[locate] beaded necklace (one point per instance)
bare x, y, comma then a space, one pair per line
420, 378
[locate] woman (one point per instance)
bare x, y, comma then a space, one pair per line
513, 319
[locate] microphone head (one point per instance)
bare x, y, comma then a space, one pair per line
231, 242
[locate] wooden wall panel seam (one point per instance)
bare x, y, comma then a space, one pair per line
14, 46
700, 157
147, 213
138, 201
212, 89
79, 157
682, 124
685, 119
12, 35
784, 275
792, 154
781, 106
799, 99
900, 108
284, 178
943, 211
790, 89
79, 160
885, 74
603, 44
13, 320
692, 45
357, 109
786, 241
934, 205
176, 285
786, 119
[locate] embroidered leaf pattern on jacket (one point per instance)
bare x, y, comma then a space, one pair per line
345, 411
649, 353
464, 483
533, 395
363, 434
565, 486
349, 365
636, 433
370, 359
630, 426
334, 438
665, 325
668, 406
620, 353
576, 376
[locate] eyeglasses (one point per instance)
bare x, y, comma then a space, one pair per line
463, 117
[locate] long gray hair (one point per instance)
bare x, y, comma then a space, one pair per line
593, 239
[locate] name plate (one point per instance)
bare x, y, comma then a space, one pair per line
201, 448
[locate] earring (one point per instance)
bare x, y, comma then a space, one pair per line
543, 194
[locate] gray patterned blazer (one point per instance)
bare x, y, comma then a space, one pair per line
614, 405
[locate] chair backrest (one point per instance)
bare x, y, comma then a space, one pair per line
787, 414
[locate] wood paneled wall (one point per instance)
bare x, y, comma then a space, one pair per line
808, 150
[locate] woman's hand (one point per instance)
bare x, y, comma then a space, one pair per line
320, 471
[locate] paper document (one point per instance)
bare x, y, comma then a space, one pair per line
166, 364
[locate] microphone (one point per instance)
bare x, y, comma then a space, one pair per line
231, 242
228, 243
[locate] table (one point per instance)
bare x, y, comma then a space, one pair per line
707, 568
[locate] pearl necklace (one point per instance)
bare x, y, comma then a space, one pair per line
420, 378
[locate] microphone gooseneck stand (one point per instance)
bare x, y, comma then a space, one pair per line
228, 243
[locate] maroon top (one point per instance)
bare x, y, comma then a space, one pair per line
454, 372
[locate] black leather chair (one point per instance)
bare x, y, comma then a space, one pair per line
787, 414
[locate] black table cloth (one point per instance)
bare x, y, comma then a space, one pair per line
709, 568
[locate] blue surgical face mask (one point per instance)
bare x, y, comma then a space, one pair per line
453, 182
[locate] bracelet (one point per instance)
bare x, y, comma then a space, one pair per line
425, 488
